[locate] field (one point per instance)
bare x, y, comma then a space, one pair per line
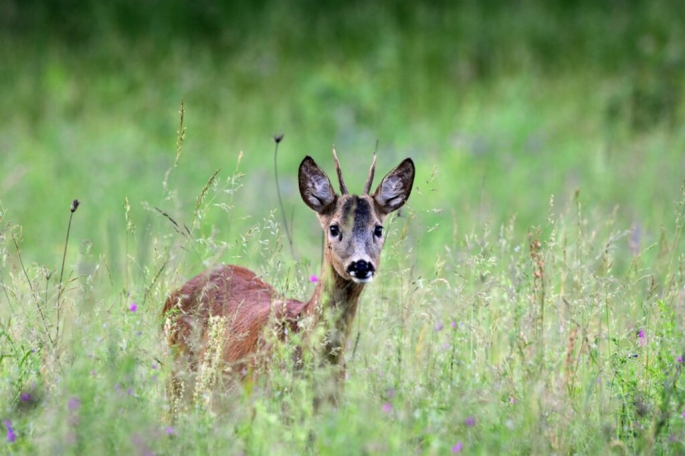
531, 298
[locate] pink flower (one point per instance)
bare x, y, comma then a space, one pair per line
313, 278
457, 448
133, 307
387, 407
470, 421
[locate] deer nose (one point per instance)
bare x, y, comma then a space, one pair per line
361, 271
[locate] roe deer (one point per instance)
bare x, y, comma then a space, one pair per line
249, 308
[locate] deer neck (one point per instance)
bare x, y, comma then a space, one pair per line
334, 306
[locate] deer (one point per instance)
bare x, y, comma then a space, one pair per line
250, 309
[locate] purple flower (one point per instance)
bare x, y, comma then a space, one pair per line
470, 421
74, 403
130, 392
679, 359
457, 448
641, 338
11, 435
25, 397
169, 430
439, 326
387, 407
313, 278
133, 307
154, 366
683, 414
453, 325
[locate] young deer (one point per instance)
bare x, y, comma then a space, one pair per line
252, 308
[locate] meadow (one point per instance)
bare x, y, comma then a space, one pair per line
531, 297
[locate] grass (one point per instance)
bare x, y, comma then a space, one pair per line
530, 298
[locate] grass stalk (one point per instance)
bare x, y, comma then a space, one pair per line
74, 205
277, 140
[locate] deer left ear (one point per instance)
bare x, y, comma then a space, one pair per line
395, 187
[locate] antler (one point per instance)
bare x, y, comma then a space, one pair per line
343, 187
369, 180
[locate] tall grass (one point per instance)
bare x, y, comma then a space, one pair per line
509, 343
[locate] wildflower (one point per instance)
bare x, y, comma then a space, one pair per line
74, 403
25, 397
470, 421
11, 435
457, 448
679, 359
387, 407
313, 278
683, 414
133, 307
169, 430
130, 392
453, 325
439, 326
154, 366
641, 338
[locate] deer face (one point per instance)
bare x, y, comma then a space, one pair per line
354, 224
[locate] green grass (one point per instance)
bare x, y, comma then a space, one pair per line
553, 123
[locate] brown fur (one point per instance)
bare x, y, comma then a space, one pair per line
252, 306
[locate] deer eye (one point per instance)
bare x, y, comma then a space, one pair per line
378, 231
334, 230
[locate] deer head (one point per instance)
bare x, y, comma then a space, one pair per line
354, 223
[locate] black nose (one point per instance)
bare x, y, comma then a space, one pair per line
360, 269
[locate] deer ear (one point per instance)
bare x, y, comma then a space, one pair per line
395, 187
315, 187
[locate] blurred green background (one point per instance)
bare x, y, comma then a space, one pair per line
500, 104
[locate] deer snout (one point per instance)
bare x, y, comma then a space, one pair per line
361, 271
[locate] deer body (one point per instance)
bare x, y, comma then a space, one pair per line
251, 307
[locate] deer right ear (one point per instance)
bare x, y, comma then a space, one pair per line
315, 187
